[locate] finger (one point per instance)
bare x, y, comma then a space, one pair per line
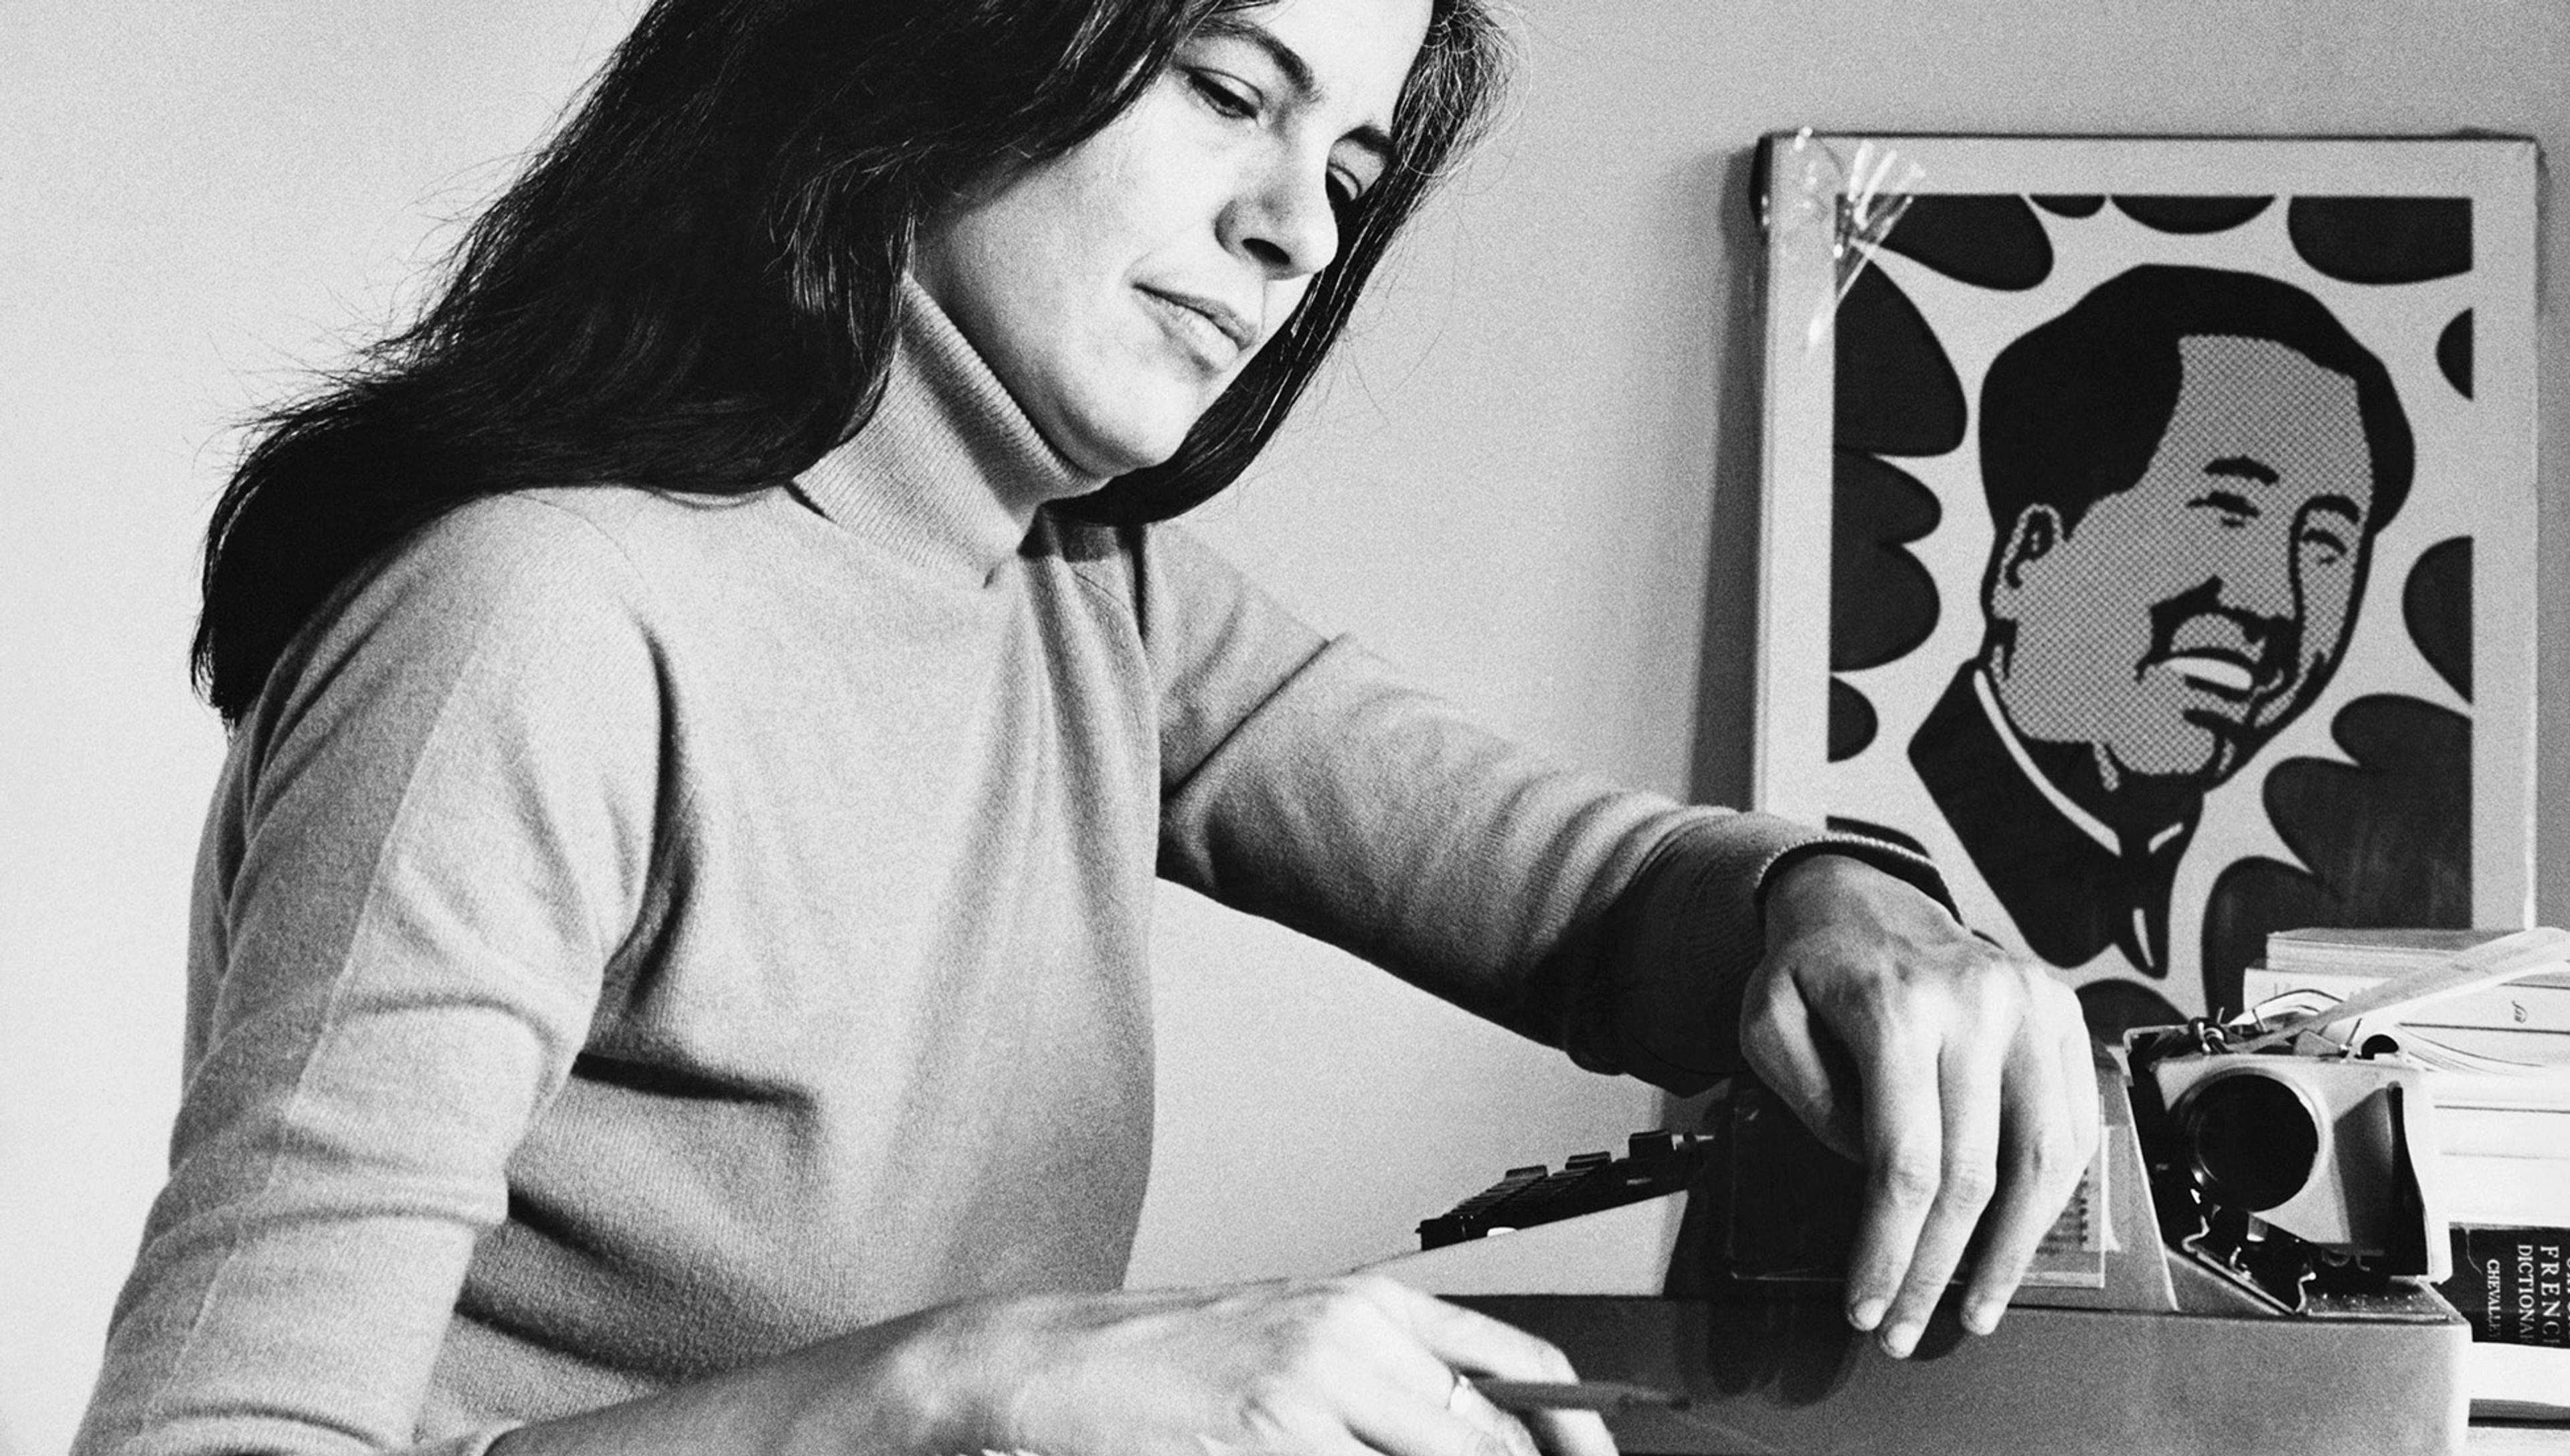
1968, 1084
1903, 1159
1474, 1342
1571, 1432
2052, 1165
2043, 1163
1466, 1339
1396, 1419
1328, 1441
2075, 1055
1560, 1432
1783, 1046
2079, 1083
1475, 1409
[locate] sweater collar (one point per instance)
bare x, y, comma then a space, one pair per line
950, 471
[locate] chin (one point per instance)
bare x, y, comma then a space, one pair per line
2184, 752
1103, 443
1122, 457
2221, 759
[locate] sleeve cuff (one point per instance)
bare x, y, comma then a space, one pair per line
1904, 865
1691, 933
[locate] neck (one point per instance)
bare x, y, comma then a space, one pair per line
950, 471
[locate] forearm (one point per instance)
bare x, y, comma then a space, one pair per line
900, 1387
1379, 819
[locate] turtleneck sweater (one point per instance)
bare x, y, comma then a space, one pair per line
640, 933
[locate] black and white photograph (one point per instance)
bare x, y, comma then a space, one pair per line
1283, 728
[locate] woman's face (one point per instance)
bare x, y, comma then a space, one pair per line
1115, 289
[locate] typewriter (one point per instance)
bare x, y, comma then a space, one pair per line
2245, 1268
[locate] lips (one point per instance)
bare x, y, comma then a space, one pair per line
2223, 675
1221, 331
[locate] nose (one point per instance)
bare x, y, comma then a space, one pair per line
1282, 220
2259, 575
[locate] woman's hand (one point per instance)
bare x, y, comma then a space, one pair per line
1961, 1077
1348, 1366
1344, 1365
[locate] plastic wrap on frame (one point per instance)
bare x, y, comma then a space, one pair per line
1854, 199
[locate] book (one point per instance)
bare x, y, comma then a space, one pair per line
2511, 1284
2502, 1132
2499, 1060
2487, 1044
2538, 1089
2517, 1383
2504, 1191
2536, 1004
2379, 947
2414, 981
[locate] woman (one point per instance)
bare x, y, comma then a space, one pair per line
707, 708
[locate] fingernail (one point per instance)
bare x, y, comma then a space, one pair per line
1867, 1313
1900, 1340
1982, 1316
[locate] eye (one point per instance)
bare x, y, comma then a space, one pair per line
1355, 173
2326, 545
2233, 509
1221, 95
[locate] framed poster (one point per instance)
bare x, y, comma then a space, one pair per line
2149, 536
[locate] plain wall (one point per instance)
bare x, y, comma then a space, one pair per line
1531, 480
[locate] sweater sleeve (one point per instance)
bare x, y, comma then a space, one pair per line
1303, 782
428, 842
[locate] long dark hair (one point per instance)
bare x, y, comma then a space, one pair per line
693, 285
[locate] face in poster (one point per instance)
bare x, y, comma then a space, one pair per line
2172, 536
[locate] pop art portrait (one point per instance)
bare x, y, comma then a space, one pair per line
2173, 503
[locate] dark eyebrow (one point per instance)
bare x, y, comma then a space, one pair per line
1298, 78
2340, 504
2244, 468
